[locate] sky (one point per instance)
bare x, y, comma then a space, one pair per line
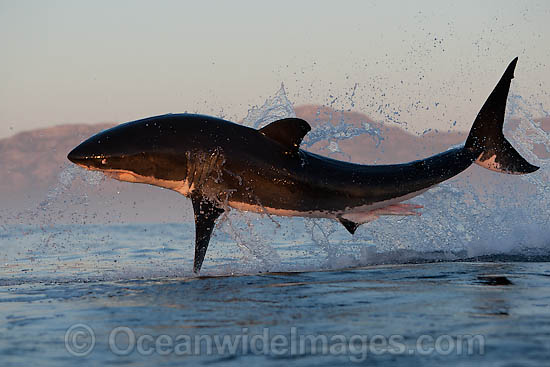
422, 64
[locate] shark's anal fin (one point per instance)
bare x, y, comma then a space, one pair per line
206, 213
287, 132
350, 225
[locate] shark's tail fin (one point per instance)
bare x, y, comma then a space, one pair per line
486, 137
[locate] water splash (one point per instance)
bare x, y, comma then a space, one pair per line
334, 134
65, 179
528, 135
461, 220
279, 107
257, 254
464, 220
274, 108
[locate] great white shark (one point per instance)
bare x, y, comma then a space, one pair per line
220, 165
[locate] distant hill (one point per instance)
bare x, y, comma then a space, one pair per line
30, 162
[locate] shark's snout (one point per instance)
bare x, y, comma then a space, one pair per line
76, 156
82, 156
87, 154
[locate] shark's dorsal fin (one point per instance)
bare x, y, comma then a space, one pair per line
350, 225
287, 132
206, 213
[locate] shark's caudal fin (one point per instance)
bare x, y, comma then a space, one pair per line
486, 137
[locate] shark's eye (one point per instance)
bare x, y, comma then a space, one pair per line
104, 161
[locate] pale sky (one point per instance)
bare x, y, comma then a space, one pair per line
426, 63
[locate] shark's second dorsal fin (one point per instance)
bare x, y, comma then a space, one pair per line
288, 132
350, 225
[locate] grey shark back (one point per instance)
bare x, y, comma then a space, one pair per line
220, 165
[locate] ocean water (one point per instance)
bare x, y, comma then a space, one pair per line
465, 284
452, 313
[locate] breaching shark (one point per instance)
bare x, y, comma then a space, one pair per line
220, 165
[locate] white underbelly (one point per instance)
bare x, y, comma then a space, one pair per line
281, 212
361, 213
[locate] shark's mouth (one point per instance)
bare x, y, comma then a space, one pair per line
182, 187
117, 174
127, 176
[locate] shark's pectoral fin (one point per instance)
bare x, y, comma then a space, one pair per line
206, 213
350, 225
